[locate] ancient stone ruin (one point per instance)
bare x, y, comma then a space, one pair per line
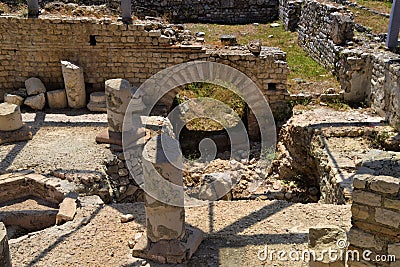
130, 139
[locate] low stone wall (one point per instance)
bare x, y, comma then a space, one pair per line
210, 11
372, 77
289, 13
323, 30
376, 207
106, 49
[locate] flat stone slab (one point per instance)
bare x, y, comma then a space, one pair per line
23, 134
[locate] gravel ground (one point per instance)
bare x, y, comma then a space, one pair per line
235, 232
60, 141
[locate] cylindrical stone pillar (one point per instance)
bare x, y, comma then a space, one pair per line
126, 11
10, 117
74, 84
33, 8
118, 95
163, 184
5, 259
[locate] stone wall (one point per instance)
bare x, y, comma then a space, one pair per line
106, 49
210, 11
323, 30
289, 13
376, 207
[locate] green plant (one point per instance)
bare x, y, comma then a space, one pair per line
338, 104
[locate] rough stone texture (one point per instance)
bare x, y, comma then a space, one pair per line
137, 54
376, 221
231, 12
325, 238
34, 86
5, 259
36, 102
10, 117
289, 13
57, 99
323, 29
215, 186
67, 209
13, 99
118, 95
74, 84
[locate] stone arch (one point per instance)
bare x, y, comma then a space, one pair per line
164, 84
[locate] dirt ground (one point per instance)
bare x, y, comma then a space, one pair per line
64, 141
234, 234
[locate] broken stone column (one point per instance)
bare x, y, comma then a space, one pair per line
10, 117
97, 102
167, 240
5, 259
33, 8
126, 11
57, 99
74, 84
118, 95
328, 242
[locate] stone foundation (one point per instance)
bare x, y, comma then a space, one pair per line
376, 207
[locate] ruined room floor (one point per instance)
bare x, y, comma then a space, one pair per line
235, 232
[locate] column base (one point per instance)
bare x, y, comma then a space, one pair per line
169, 251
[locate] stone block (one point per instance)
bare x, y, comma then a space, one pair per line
57, 99
385, 184
359, 212
34, 86
363, 239
394, 249
387, 217
391, 204
215, 186
67, 209
10, 117
74, 84
118, 94
367, 198
36, 102
13, 99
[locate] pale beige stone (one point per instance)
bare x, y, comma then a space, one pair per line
36, 102
98, 97
13, 99
387, 217
359, 211
118, 94
57, 99
10, 117
34, 86
385, 184
67, 210
74, 84
367, 198
126, 218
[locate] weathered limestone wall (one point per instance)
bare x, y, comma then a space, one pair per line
227, 11
323, 31
376, 207
385, 87
107, 49
289, 13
